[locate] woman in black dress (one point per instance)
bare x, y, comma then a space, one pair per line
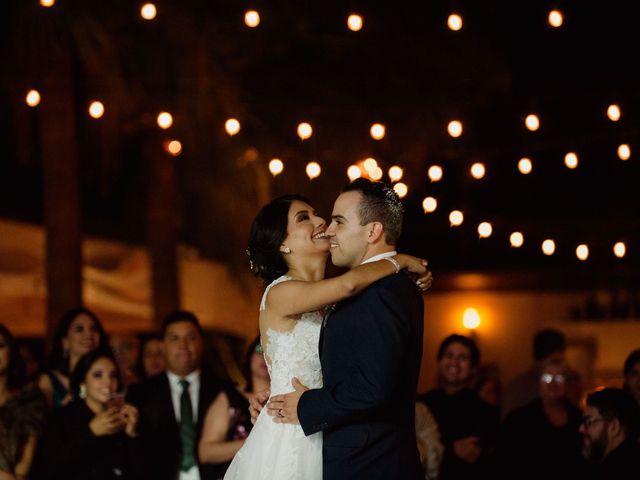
93, 436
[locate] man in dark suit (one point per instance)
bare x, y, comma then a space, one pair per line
172, 405
371, 349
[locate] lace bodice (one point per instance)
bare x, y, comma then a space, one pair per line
293, 353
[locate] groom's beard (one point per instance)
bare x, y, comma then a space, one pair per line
594, 448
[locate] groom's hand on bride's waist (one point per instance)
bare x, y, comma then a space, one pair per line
256, 402
284, 408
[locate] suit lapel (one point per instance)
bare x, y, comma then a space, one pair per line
165, 402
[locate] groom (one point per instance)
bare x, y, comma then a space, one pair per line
370, 349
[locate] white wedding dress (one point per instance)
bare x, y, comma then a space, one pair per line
275, 451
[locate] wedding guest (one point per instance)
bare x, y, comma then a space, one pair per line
228, 422
632, 374
126, 349
92, 437
541, 439
78, 332
152, 358
173, 404
549, 347
610, 428
429, 445
468, 425
22, 411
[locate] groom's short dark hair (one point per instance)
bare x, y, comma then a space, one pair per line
380, 203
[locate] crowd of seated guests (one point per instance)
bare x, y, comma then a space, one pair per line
131, 409
544, 433
121, 408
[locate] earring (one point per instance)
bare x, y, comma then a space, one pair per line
286, 250
83, 391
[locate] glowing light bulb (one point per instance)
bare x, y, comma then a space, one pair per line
613, 112
305, 131
532, 122
33, 98
377, 131
47, 3
620, 249
571, 160
435, 173
96, 109
454, 22
165, 120
454, 128
548, 247
276, 166
471, 318
395, 173
375, 174
478, 170
252, 19
313, 170
525, 166
354, 172
148, 11
485, 230
401, 189
516, 239
456, 218
582, 252
355, 22
556, 19
370, 164
232, 126
174, 147
624, 152
429, 204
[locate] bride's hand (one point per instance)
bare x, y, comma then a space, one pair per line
416, 266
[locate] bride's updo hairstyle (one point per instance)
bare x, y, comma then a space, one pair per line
268, 232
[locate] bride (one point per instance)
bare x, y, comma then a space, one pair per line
288, 250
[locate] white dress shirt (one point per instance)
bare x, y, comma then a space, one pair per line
380, 256
194, 392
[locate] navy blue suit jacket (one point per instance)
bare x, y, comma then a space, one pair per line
371, 350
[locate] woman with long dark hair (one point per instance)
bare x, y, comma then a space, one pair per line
78, 332
92, 436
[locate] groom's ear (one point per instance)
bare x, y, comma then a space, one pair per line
376, 232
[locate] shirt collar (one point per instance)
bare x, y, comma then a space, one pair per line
380, 256
192, 378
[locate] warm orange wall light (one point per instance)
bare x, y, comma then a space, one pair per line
471, 318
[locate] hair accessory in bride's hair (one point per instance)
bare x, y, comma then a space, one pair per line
250, 261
